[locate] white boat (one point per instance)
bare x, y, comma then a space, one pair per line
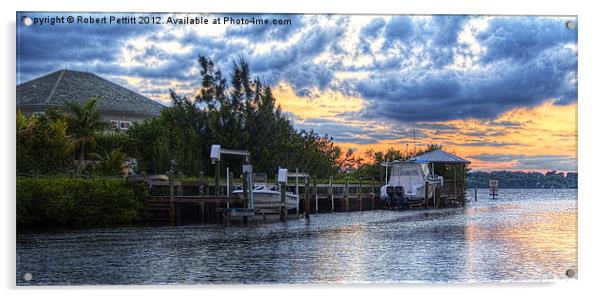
406, 184
268, 197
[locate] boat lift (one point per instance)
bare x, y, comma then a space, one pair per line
247, 169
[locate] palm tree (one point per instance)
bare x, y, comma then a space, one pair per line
84, 121
111, 163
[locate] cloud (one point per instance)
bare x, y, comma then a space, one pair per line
523, 38
468, 81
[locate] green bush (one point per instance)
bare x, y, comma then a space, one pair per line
65, 201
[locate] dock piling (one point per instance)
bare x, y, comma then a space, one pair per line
306, 196
346, 194
359, 195
373, 195
426, 195
283, 210
316, 191
330, 194
172, 205
217, 178
201, 183
181, 185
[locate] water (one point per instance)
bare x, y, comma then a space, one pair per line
524, 235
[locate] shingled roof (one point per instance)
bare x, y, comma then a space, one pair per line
54, 89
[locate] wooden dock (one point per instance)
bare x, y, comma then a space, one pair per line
183, 202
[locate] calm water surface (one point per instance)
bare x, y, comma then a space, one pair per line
524, 235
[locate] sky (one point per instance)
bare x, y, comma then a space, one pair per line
500, 91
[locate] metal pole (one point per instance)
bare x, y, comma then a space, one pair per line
228, 181
250, 177
387, 172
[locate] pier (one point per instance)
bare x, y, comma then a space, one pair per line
188, 202
184, 202
174, 199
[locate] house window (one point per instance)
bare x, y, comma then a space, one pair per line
114, 124
124, 125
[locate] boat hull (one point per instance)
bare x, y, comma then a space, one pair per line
271, 200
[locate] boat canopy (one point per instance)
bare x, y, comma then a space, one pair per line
410, 175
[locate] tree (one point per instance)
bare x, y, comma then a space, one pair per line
239, 114
83, 122
110, 163
43, 145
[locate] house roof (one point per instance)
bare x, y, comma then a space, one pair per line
54, 89
440, 156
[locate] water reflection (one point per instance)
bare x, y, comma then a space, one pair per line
523, 235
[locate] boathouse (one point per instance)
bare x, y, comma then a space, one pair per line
451, 167
118, 105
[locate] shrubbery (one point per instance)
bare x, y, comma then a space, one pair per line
68, 201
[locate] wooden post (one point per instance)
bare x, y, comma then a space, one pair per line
437, 195
373, 195
202, 211
306, 201
283, 211
316, 192
426, 194
201, 183
346, 197
181, 186
359, 195
245, 191
172, 205
217, 178
331, 194
475, 194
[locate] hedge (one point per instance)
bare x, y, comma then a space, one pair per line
77, 202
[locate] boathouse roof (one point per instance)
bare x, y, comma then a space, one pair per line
54, 89
440, 156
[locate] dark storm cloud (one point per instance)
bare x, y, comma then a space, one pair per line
43, 49
398, 29
409, 79
373, 28
447, 95
523, 38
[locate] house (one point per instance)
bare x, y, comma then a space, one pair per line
116, 104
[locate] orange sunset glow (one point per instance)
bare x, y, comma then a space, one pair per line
546, 128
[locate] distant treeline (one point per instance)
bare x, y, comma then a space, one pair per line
507, 179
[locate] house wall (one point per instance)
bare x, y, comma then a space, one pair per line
107, 116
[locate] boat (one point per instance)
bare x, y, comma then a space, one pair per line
406, 184
268, 197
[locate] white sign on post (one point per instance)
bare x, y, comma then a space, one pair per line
282, 176
493, 187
